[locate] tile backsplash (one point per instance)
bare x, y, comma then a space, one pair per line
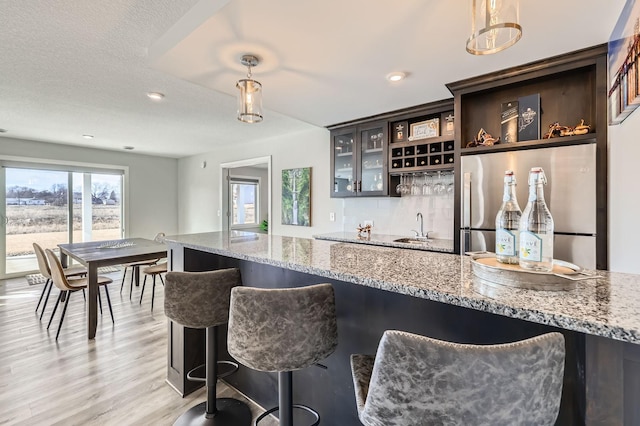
397, 216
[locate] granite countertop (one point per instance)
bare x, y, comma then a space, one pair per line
607, 306
445, 246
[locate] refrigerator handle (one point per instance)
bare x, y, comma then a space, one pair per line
465, 230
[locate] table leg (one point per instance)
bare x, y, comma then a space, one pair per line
92, 300
137, 275
63, 259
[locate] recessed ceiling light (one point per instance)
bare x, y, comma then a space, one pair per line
155, 96
3, 130
87, 136
396, 76
128, 148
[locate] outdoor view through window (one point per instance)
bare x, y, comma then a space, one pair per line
244, 203
38, 210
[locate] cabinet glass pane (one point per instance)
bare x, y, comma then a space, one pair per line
371, 159
344, 160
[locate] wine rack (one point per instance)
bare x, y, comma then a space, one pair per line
422, 155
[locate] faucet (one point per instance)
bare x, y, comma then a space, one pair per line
420, 219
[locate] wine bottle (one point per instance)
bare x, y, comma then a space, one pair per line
536, 227
508, 223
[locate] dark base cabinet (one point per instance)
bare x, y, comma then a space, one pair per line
602, 376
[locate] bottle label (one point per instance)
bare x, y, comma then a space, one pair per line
506, 243
530, 246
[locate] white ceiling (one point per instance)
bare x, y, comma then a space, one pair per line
74, 67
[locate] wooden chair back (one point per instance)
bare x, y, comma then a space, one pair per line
57, 273
43, 265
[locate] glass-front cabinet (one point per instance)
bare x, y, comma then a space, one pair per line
359, 160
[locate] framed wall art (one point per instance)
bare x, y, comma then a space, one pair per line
296, 196
623, 62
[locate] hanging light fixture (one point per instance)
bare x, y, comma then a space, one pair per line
494, 26
250, 96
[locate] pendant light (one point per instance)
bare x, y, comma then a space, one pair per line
494, 26
250, 96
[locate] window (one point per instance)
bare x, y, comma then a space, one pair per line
244, 202
52, 204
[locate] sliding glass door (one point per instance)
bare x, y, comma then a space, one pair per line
39, 207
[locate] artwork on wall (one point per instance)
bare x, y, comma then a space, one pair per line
623, 62
296, 196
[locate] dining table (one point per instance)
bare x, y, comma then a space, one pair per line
96, 254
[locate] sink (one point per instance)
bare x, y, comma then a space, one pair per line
414, 240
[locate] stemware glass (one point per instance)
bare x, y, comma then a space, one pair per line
450, 186
427, 186
438, 187
399, 186
406, 187
416, 186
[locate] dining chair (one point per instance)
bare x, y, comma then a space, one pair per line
67, 286
153, 271
45, 271
135, 266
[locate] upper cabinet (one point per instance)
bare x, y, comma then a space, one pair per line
369, 155
359, 160
520, 105
423, 141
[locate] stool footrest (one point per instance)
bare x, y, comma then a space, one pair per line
234, 368
191, 375
197, 374
298, 406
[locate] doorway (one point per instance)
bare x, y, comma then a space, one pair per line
245, 191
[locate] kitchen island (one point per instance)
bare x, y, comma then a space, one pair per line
429, 293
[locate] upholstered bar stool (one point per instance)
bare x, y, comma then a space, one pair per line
416, 380
201, 300
281, 330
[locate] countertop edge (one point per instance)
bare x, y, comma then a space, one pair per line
485, 305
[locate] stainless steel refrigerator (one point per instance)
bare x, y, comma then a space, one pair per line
570, 194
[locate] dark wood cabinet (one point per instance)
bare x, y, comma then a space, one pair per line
415, 153
369, 155
359, 160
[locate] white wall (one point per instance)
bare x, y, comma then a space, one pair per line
199, 191
199, 195
624, 199
152, 181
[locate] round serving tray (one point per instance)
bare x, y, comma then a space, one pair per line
563, 276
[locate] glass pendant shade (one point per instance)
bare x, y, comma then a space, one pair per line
249, 101
494, 26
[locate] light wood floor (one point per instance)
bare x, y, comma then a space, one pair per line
116, 379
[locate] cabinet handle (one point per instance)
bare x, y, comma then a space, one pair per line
355, 186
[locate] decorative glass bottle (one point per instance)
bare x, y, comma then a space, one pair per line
508, 223
536, 227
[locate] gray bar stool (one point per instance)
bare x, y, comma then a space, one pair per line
416, 380
281, 330
201, 300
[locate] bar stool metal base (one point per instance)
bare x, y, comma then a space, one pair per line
285, 402
230, 412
